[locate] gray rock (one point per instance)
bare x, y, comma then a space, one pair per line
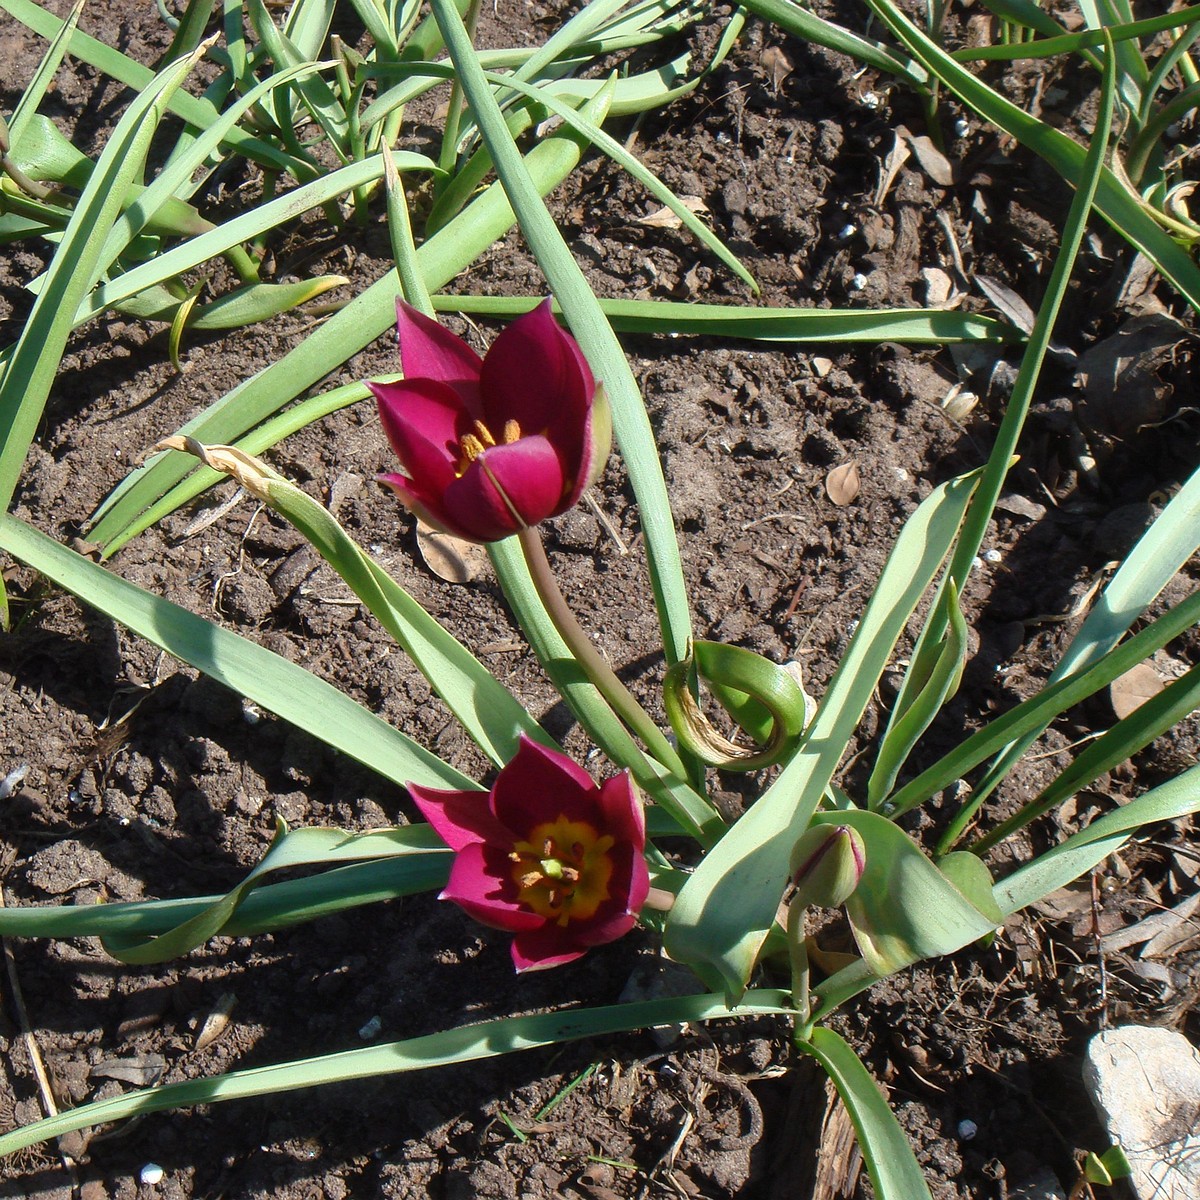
1145, 1084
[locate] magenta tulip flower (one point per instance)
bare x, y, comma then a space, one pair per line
492, 446
546, 854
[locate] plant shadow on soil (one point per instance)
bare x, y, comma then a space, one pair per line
144, 780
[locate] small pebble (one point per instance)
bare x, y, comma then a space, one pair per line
9, 783
976, 563
967, 1130
858, 282
847, 232
371, 1029
992, 556
962, 127
151, 1174
869, 100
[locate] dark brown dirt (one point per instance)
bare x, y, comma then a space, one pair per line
143, 779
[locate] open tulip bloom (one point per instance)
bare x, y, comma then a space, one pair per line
546, 854
495, 445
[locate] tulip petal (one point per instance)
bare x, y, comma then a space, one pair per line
539, 785
536, 375
593, 451
630, 882
621, 809
429, 351
603, 929
461, 819
542, 948
505, 489
423, 421
422, 507
479, 885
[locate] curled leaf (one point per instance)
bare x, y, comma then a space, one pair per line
252, 473
765, 699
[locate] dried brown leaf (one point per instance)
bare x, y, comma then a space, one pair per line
933, 162
1130, 691
777, 64
843, 484
664, 218
448, 557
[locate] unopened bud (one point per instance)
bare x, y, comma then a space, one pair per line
827, 863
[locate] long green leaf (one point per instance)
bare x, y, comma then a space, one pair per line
890, 1161
634, 167
631, 424
1120, 206
1070, 43
271, 906
137, 502
1120, 743
288, 850
182, 168
486, 709
1032, 716
122, 68
907, 725
928, 647
466, 1044
318, 97
726, 908
1178, 797
39, 350
1152, 563
802, 23
916, 326
258, 220
280, 686
32, 96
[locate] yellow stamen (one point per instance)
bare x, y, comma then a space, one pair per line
563, 871
471, 447
512, 433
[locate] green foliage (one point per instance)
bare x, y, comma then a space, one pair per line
141, 246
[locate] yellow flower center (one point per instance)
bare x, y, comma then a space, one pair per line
562, 872
471, 445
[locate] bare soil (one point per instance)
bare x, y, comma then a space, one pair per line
143, 779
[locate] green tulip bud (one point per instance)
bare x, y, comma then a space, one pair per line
827, 863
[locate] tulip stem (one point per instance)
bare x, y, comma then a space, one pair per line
601, 675
798, 954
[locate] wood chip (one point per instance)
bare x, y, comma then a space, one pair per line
1151, 927
140, 1070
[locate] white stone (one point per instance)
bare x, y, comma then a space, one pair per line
1145, 1084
